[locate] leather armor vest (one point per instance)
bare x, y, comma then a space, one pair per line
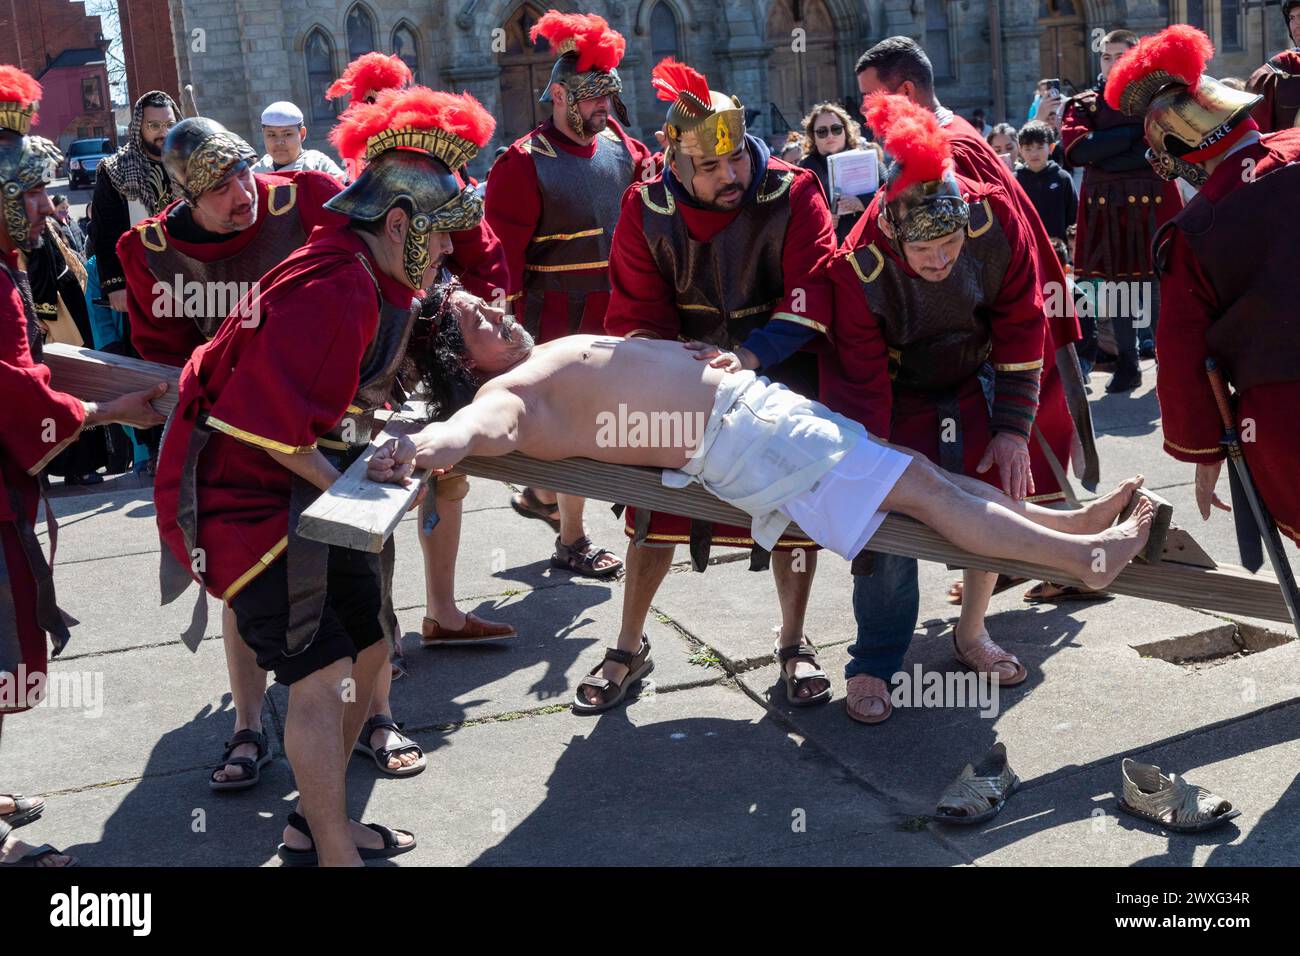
580, 205
937, 332
726, 287
1256, 337
278, 235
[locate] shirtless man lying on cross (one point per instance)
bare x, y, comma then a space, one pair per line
770, 452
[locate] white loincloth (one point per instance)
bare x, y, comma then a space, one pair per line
779, 456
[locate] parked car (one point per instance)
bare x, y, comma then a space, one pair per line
84, 156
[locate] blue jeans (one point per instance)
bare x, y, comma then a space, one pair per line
886, 605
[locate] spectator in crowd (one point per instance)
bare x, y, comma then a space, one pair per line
793, 148
1040, 91
828, 130
1003, 140
84, 225
977, 120
283, 132
1049, 187
132, 186
72, 235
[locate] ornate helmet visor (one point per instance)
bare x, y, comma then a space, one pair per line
200, 154
701, 123
929, 210
26, 163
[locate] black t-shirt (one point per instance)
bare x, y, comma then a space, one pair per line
1051, 190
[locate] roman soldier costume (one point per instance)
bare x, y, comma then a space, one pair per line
317, 366
752, 276
1278, 82
1226, 294
554, 202
478, 258
965, 354
1062, 397
168, 259
36, 422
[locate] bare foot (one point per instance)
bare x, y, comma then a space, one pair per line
1115, 547
1100, 514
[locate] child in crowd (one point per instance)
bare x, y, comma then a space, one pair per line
1050, 188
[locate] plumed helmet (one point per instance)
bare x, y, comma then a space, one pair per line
1189, 117
588, 53
923, 199
26, 162
408, 146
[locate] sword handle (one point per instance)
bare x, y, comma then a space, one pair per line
1220, 389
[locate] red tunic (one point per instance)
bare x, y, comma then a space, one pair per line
171, 340
1120, 205
642, 300
280, 384
1277, 82
479, 259
1021, 339
36, 423
514, 208
1188, 305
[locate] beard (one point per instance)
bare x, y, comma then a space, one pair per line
595, 123
151, 149
520, 340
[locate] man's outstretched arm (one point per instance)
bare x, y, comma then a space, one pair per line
490, 425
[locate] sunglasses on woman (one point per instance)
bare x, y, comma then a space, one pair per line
821, 132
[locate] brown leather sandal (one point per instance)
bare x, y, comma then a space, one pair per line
804, 649
638, 665
581, 557
527, 504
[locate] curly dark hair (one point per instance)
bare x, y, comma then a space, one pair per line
436, 357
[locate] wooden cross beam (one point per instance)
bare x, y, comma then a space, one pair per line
356, 516
101, 376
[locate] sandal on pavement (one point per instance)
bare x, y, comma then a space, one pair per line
638, 665
984, 657
251, 767
1171, 802
807, 651
1047, 592
979, 793
26, 809
384, 754
861, 689
1004, 582
391, 848
476, 631
581, 557
529, 505
33, 856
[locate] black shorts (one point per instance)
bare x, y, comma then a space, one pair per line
349, 622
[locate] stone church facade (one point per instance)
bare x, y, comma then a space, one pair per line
778, 56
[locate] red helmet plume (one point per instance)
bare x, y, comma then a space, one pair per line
1181, 51
370, 71
418, 108
913, 138
674, 82
598, 47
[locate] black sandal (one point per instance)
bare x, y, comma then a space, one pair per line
251, 767
581, 557
529, 505
391, 848
26, 809
382, 755
37, 853
803, 649
638, 665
